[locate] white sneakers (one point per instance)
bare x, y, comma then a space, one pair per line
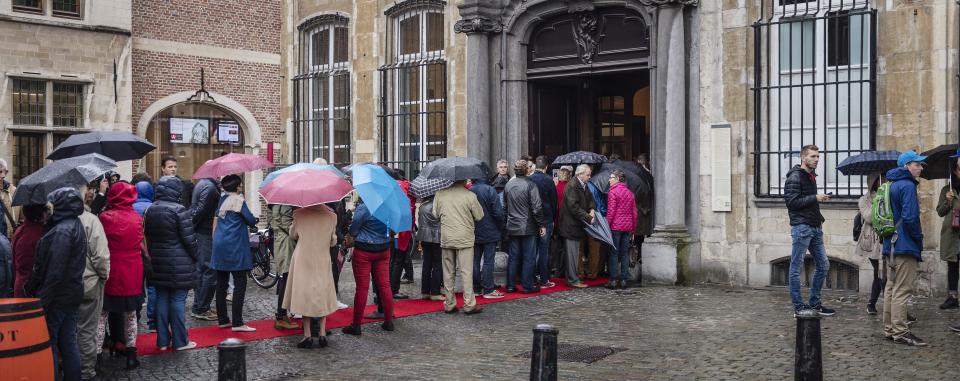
190, 345
243, 328
341, 306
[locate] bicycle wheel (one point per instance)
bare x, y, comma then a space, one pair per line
261, 273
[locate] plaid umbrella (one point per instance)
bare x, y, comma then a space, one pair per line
580, 157
868, 163
939, 162
422, 187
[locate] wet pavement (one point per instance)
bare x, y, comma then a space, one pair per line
704, 332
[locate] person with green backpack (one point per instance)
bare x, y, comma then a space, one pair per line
896, 219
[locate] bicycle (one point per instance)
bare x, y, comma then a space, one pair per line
261, 248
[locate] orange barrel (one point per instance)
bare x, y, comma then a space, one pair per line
25, 352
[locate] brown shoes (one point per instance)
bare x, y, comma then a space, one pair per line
285, 323
579, 285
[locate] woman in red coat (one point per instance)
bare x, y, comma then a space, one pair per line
123, 292
25, 245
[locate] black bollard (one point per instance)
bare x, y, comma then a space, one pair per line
808, 364
232, 360
543, 358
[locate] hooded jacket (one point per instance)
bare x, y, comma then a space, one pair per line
428, 225
800, 195
98, 254
906, 213
489, 228
144, 197
170, 238
205, 202
57, 277
124, 229
521, 200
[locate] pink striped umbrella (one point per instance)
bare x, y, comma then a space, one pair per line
231, 164
306, 188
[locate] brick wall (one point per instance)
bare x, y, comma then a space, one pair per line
239, 24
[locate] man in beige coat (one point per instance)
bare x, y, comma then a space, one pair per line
10, 213
458, 211
94, 277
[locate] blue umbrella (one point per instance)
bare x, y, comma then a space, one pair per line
383, 196
299, 167
868, 163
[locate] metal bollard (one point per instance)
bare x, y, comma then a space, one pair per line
543, 358
232, 360
808, 364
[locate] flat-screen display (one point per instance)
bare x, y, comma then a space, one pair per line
189, 131
228, 131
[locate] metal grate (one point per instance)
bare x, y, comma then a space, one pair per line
587, 354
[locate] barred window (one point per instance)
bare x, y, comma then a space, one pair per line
29, 102
27, 154
31, 6
815, 84
66, 8
322, 91
413, 87
67, 104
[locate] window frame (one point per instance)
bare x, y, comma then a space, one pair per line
40, 9
67, 14
50, 115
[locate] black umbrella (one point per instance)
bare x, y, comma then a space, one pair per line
454, 168
602, 178
869, 163
390, 171
627, 165
940, 162
116, 145
580, 157
73, 172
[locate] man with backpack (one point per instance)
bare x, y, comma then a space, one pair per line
897, 205
806, 222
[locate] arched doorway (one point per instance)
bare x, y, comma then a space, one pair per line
193, 133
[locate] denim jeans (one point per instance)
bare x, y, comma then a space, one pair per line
62, 327
204, 292
151, 307
171, 316
543, 255
619, 260
483, 275
806, 237
522, 248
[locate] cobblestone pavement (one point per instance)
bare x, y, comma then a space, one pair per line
665, 333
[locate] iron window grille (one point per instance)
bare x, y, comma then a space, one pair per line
29, 102
413, 87
322, 91
27, 154
815, 83
67, 104
66, 8
29, 6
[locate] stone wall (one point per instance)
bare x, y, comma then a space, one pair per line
916, 109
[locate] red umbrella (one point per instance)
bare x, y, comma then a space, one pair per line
231, 164
306, 188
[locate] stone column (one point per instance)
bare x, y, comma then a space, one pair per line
479, 129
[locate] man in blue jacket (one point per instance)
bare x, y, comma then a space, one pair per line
906, 244
487, 234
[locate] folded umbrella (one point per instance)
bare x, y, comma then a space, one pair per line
600, 230
422, 187
299, 167
869, 163
940, 162
72, 172
231, 164
117, 145
580, 157
305, 188
383, 196
454, 168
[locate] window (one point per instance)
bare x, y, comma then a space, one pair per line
611, 116
27, 154
413, 85
67, 105
815, 85
59, 8
32, 106
29, 102
66, 8
31, 6
322, 91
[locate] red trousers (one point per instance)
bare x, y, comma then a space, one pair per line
365, 263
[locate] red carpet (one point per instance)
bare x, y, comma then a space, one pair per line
211, 336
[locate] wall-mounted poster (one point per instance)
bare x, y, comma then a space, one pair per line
189, 130
228, 131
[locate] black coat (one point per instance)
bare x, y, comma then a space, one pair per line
575, 212
523, 207
61, 255
205, 201
171, 241
548, 194
800, 195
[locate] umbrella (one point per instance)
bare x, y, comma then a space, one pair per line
383, 196
600, 230
602, 178
231, 164
454, 168
939, 162
390, 171
305, 188
627, 165
580, 157
422, 187
116, 145
73, 172
869, 163
299, 167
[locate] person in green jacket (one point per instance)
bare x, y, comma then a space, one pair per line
281, 217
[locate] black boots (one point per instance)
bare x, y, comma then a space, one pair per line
352, 330
388, 326
950, 303
132, 362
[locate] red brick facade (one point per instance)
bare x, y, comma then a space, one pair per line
239, 24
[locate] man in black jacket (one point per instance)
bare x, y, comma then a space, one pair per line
525, 222
578, 209
58, 276
206, 198
548, 196
803, 205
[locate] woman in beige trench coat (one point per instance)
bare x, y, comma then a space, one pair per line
309, 290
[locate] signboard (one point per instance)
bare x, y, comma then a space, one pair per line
228, 131
189, 130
